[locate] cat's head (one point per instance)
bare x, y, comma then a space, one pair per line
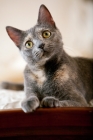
40, 43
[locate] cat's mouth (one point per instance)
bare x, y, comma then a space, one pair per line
37, 55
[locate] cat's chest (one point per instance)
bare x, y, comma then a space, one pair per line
38, 77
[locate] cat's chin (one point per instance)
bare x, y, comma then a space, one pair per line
39, 55
42, 62
40, 59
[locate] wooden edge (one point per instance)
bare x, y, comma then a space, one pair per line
89, 109
47, 121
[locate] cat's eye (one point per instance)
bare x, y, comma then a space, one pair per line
29, 44
46, 34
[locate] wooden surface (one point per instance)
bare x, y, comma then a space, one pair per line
47, 124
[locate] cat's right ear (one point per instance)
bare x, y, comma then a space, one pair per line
15, 35
45, 17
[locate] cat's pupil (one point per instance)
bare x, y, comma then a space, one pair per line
46, 34
29, 44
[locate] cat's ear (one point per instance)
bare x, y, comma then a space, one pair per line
44, 16
15, 35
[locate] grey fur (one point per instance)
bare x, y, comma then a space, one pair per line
52, 78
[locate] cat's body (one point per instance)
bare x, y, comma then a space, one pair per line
51, 78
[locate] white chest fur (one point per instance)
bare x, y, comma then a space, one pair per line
39, 77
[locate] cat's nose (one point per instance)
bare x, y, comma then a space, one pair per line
41, 46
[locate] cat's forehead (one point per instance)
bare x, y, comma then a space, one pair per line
34, 31
41, 28
30, 34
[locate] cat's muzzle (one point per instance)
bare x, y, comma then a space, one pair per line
37, 54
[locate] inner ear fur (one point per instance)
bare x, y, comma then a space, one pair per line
15, 34
44, 16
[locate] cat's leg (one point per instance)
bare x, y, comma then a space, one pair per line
11, 86
74, 100
31, 101
70, 103
50, 102
78, 101
30, 104
91, 103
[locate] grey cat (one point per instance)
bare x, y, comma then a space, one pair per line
52, 78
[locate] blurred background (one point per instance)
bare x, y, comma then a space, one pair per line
74, 18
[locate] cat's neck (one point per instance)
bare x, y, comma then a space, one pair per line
57, 62
52, 64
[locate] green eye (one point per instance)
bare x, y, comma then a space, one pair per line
29, 44
46, 34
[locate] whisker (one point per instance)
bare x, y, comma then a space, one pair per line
72, 51
65, 47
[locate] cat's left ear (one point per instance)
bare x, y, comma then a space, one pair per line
44, 16
15, 34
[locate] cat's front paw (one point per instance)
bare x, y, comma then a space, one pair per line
50, 102
30, 104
